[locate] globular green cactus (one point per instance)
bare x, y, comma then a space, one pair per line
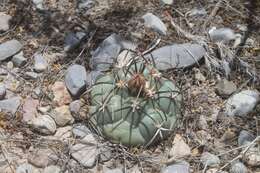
134, 105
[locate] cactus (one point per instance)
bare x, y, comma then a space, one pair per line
134, 105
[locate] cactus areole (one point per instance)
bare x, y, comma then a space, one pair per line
134, 105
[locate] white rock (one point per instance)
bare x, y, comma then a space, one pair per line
242, 103
179, 149
252, 157
40, 63
155, 23
44, 124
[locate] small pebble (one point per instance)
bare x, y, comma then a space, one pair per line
19, 60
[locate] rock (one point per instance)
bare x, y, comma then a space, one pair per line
155, 23
238, 167
63, 133
44, 109
91, 77
40, 63
116, 170
62, 115
26, 168
80, 131
38, 4
242, 103
75, 108
44, 124
86, 4
30, 109
124, 58
4, 22
252, 157
167, 2
179, 167
199, 77
41, 158
105, 55
2, 91
10, 105
197, 12
9, 48
72, 40
222, 35
31, 75
85, 153
75, 80
179, 149
61, 94
210, 160
176, 56
10, 65
105, 154
245, 137
19, 60
225, 88
52, 169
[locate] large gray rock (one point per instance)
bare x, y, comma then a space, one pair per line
10, 105
40, 63
155, 23
105, 55
176, 56
179, 167
9, 48
242, 103
4, 22
75, 80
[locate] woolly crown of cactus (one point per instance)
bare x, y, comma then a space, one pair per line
134, 105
